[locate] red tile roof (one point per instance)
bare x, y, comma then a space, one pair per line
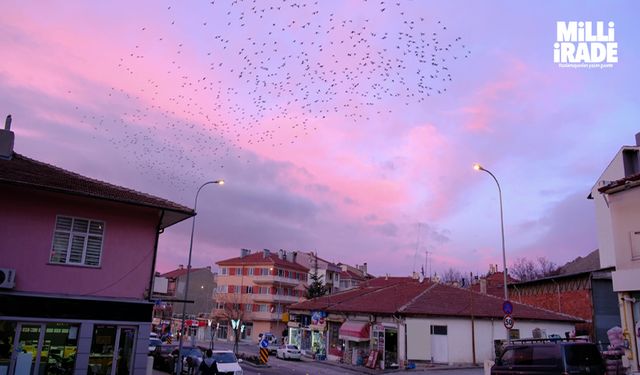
25, 172
179, 272
350, 275
406, 296
258, 259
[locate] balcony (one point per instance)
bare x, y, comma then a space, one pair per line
275, 298
263, 315
270, 279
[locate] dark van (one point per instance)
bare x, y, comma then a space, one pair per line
561, 358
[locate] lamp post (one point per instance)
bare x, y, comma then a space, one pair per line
478, 167
186, 289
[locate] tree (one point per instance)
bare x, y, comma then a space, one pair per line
234, 315
525, 269
316, 287
451, 275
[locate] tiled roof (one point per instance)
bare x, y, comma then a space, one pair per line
25, 172
179, 272
444, 300
349, 275
406, 296
259, 259
621, 184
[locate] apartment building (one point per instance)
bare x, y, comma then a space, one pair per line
255, 288
329, 273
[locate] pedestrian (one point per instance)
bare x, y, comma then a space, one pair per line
208, 366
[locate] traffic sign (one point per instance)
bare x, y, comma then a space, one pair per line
507, 307
264, 344
508, 321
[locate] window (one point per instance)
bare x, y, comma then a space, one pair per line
635, 244
262, 307
236, 288
220, 305
221, 289
77, 241
281, 273
248, 307
251, 271
265, 272
249, 290
438, 330
223, 270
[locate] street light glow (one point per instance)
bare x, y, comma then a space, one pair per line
477, 166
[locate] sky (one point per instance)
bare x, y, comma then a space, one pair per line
349, 127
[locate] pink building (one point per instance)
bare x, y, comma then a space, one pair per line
77, 261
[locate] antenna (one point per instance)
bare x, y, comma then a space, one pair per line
415, 255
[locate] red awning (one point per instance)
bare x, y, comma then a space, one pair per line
352, 330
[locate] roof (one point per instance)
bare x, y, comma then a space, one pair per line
591, 262
25, 172
179, 272
406, 296
259, 258
347, 275
622, 184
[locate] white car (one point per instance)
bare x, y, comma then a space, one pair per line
227, 362
288, 352
153, 342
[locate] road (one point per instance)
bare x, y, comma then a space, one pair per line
311, 367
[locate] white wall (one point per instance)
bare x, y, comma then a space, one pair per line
614, 171
459, 344
625, 218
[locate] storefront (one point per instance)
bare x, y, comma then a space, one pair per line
72, 336
356, 337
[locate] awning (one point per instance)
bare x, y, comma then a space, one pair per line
352, 330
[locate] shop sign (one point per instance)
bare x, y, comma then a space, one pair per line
293, 324
318, 327
378, 327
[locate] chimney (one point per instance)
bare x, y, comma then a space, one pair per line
244, 252
266, 253
364, 269
181, 266
282, 254
638, 139
6, 140
483, 286
294, 256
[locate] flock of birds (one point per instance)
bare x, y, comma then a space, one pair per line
229, 75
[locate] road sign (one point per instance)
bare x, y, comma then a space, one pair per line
264, 355
507, 307
264, 344
508, 321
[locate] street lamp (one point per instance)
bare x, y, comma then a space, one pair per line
186, 289
478, 167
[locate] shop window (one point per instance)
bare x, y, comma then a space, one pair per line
7, 335
102, 348
438, 330
59, 348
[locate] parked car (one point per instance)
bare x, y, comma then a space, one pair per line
153, 343
162, 358
545, 357
227, 362
272, 341
288, 352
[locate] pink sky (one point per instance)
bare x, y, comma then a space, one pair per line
317, 116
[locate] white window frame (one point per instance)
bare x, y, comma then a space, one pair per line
71, 234
223, 270
250, 272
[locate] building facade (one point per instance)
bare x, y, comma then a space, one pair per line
395, 320
76, 270
616, 195
329, 273
256, 289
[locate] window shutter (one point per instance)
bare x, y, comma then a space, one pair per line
77, 247
60, 247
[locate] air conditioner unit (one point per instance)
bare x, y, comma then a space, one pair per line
7, 278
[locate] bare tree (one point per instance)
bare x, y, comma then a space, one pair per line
525, 269
233, 312
451, 275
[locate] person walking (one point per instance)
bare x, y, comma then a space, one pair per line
208, 366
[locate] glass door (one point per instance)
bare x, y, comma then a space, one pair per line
25, 356
126, 350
